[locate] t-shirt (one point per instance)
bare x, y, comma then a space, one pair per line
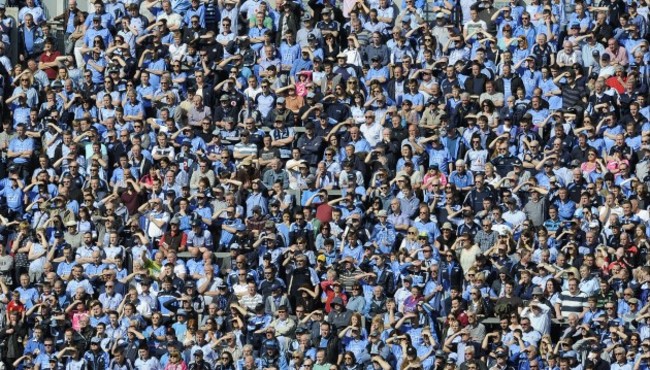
572, 303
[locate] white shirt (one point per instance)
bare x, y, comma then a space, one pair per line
151, 363
372, 133
515, 218
476, 159
173, 19
400, 296
76, 364
153, 231
541, 323
472, 26
353, 57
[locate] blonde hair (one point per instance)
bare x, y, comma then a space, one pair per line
523, 42
28, 74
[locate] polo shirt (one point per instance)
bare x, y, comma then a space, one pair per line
571, 303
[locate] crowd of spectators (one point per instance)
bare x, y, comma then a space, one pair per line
325, 185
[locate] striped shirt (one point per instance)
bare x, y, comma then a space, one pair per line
250, 302
570, 303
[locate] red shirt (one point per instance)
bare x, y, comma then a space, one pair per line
615, 84
324, 212
15, 306
131, 201
52, 71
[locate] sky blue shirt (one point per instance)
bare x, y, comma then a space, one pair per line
18, 145
21, 115
28, 296
461, 181
199, 12
156, 65
440, 157
356, 252
107, 20
133, 109
289, 53
361, 145
102, 32
32, 37
565, 209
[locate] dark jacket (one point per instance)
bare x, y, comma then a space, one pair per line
310, 148
293, 21
476, 85
12, 336
391, 88
65, 17
515, 83
332, 349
